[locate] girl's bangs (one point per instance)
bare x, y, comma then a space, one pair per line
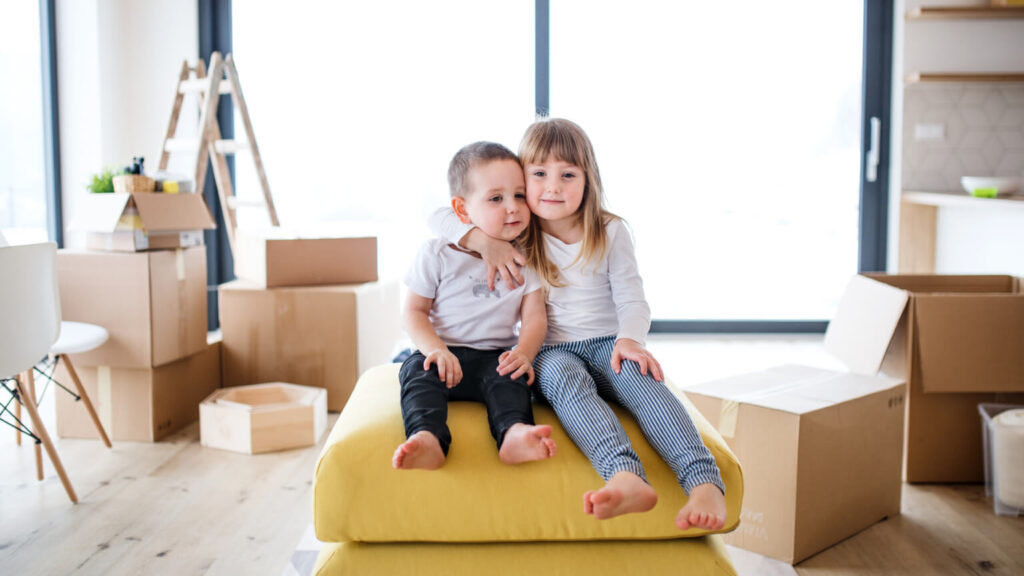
546, 141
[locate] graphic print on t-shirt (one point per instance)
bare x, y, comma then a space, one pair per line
480, 289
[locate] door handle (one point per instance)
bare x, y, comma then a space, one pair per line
871, 164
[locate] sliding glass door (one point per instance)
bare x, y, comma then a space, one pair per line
729, 137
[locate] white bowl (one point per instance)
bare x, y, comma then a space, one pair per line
1004, 185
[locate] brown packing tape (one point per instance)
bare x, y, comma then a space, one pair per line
727, 417
104, 398
179, 259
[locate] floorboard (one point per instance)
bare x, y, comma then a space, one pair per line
175, 507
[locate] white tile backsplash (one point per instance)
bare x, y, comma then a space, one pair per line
983, 133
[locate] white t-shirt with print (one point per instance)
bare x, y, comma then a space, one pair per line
605, 298
464, 312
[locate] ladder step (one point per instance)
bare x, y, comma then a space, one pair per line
200, 84
192, 145
230, 146
181, 145
234, 202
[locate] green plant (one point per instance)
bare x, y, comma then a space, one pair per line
103, 182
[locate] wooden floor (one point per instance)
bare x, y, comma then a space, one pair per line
177, 508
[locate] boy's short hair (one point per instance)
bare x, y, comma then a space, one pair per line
471, 156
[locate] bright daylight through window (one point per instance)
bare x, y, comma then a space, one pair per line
22, 177
727, 134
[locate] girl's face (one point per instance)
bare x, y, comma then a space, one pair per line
554, 190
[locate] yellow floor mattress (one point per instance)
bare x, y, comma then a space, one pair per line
706, 556
359, 497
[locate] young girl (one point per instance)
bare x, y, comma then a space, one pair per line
597, 317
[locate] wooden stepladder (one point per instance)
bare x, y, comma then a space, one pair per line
221, 79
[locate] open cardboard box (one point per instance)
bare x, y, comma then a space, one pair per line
821, 449
959, 343
132, 222
276, 257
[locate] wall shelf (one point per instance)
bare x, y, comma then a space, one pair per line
926, 77
979, 12
963, 199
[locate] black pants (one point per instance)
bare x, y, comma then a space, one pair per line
425, 398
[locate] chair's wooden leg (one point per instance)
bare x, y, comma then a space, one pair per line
30, 384
17, 414
44, 437
85, 399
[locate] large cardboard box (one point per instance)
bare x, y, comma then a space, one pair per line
821, 450
142, 405
323, 336
132, 222
821, 453
153, 304
960, 343
276, 257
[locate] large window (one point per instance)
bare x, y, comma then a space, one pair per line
728, 136
358, 107
23, 212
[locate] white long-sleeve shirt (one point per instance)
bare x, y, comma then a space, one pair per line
603, 298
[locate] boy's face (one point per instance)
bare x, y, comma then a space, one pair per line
496, 200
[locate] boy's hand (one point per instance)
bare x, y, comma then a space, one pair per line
632, 350
517, 363
448, 366
500, 257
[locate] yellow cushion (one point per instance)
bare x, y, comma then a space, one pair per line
693, 556
358, 496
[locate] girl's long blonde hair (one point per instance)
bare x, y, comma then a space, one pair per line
564, 140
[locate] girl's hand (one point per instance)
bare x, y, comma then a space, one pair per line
448, 366
632, 350
500, 257
517, 363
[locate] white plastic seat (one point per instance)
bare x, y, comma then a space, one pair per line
30, 308
78, 337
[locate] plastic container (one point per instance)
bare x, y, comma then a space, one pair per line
1002, 429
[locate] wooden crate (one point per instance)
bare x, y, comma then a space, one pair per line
263, 417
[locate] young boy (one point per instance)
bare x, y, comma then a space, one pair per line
463, 330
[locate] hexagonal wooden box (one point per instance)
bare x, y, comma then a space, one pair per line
263, 417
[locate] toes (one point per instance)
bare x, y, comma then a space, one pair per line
588, 504
549, 444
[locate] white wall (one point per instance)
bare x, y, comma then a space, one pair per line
982, 240
118, 63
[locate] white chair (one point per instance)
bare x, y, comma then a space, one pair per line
75, 338
30, 306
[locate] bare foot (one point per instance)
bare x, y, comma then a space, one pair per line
421, 451
625, 493
705, 509
526, 443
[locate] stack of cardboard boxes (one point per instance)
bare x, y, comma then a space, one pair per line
145, 282
824, 453
306, 311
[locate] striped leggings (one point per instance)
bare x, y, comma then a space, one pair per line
577, 377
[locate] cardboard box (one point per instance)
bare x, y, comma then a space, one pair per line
141, 405
275, 258
132, 222
263, 417
960, 343
822, 451
153, 304
322, 336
